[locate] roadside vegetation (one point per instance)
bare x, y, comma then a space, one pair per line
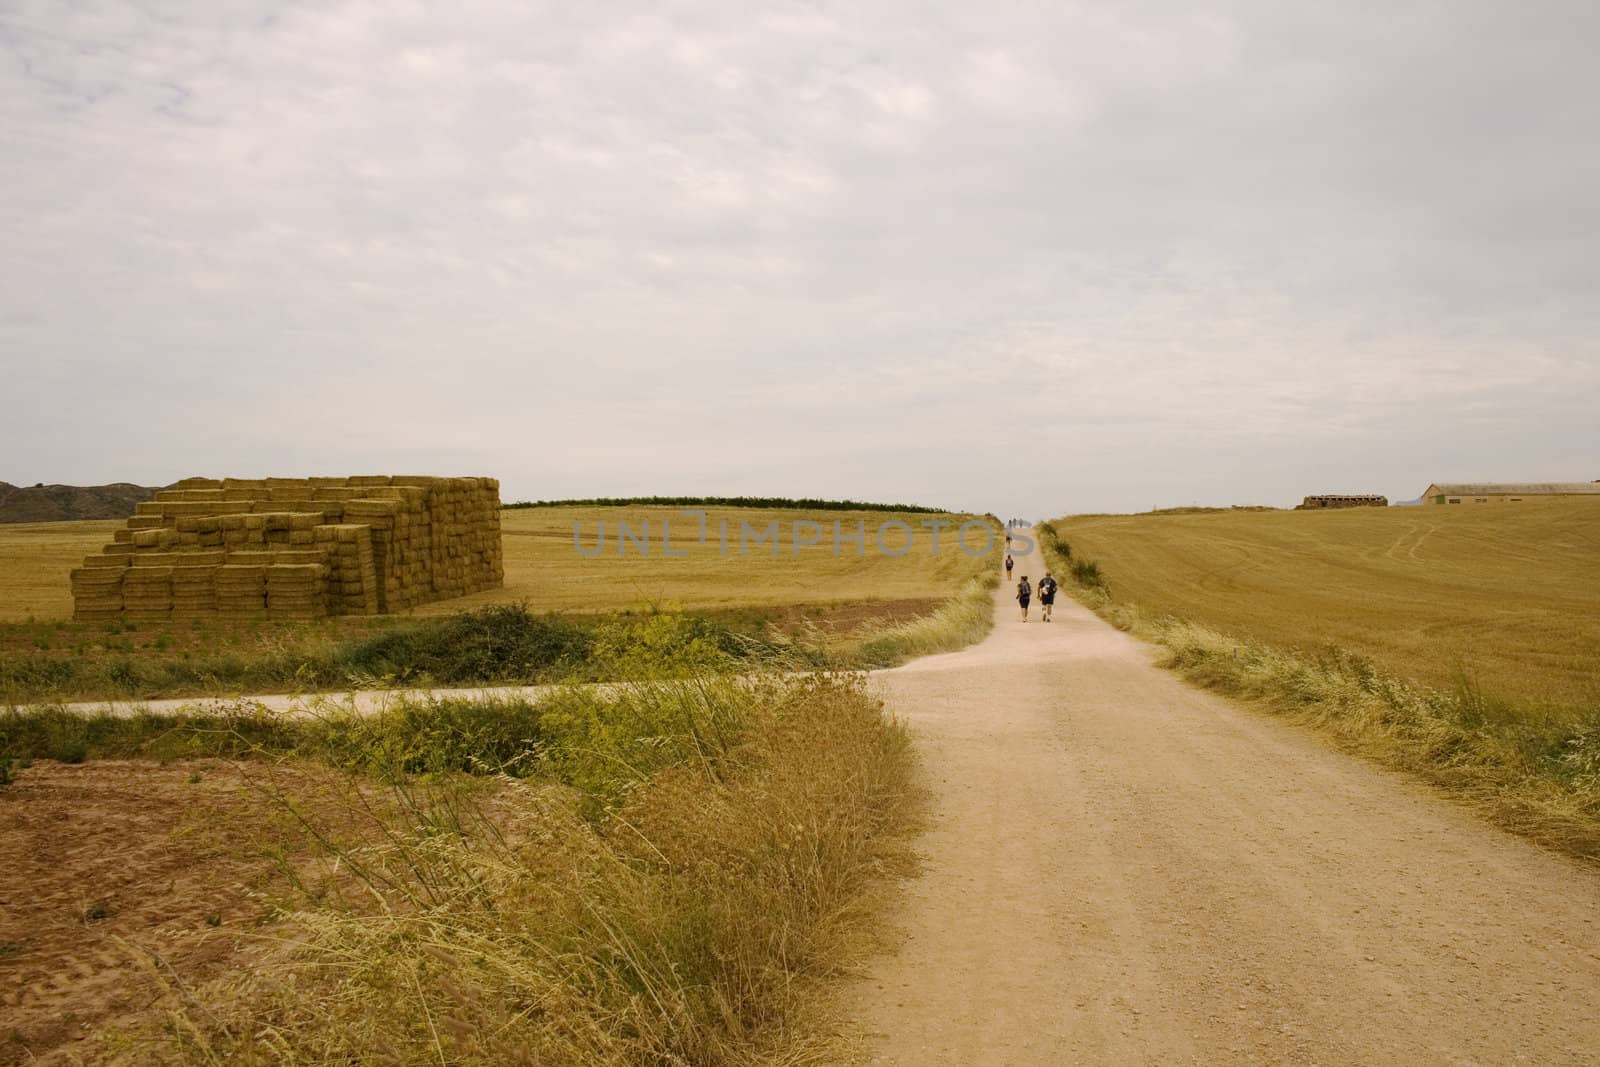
660, 871
498, 645
1511, 722
760, 610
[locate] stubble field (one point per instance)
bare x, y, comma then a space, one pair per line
1505, 598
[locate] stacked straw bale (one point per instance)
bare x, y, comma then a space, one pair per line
241, 589
147, 593
296, 548
97, 587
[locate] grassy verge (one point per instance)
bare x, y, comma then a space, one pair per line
659, 872
488, 645
1532, 768
504, 643
499, 645
963, 620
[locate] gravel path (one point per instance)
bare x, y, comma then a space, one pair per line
1122, 869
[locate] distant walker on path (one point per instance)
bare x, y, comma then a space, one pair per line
1008, 566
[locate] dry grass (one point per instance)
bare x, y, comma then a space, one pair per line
695, 918
1508, 596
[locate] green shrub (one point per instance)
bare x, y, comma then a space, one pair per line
472, 736
1087, 574
494, 644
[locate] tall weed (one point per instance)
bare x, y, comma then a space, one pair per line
689, 920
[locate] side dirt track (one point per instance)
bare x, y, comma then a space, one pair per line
1122, 869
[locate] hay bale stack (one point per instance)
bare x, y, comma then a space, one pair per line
384, 542
199, 531
378, 516
147, 593
353, 574
287, 527
189, 494
194, 588
155, 540
297, 590
97, 591
241, 590
266, 557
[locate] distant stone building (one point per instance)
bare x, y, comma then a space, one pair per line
1505, 492
1343, 500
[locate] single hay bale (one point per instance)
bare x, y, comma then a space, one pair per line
155, 575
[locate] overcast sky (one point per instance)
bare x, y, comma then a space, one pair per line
1035, 258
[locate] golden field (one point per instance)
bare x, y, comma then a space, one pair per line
35, 559
1507, 596
544, 570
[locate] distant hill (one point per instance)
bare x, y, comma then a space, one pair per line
59, 503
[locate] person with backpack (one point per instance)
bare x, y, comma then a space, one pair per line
1024, 594
1047, 595
1008, 566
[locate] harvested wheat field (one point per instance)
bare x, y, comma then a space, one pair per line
1506, 595
544, 569
861, 606
36, 559
543, 566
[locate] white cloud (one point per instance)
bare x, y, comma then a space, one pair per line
1020, 257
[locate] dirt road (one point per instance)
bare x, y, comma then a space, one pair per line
1122, 870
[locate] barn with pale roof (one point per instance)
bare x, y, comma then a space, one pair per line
1505, 492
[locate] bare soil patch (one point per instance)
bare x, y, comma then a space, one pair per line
123, 882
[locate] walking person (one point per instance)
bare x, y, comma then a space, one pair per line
1047, 595
1008, 566
1024, 594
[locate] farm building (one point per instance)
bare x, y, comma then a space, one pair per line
1343, 500
1505, 492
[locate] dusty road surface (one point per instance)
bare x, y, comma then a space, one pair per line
1124, 870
